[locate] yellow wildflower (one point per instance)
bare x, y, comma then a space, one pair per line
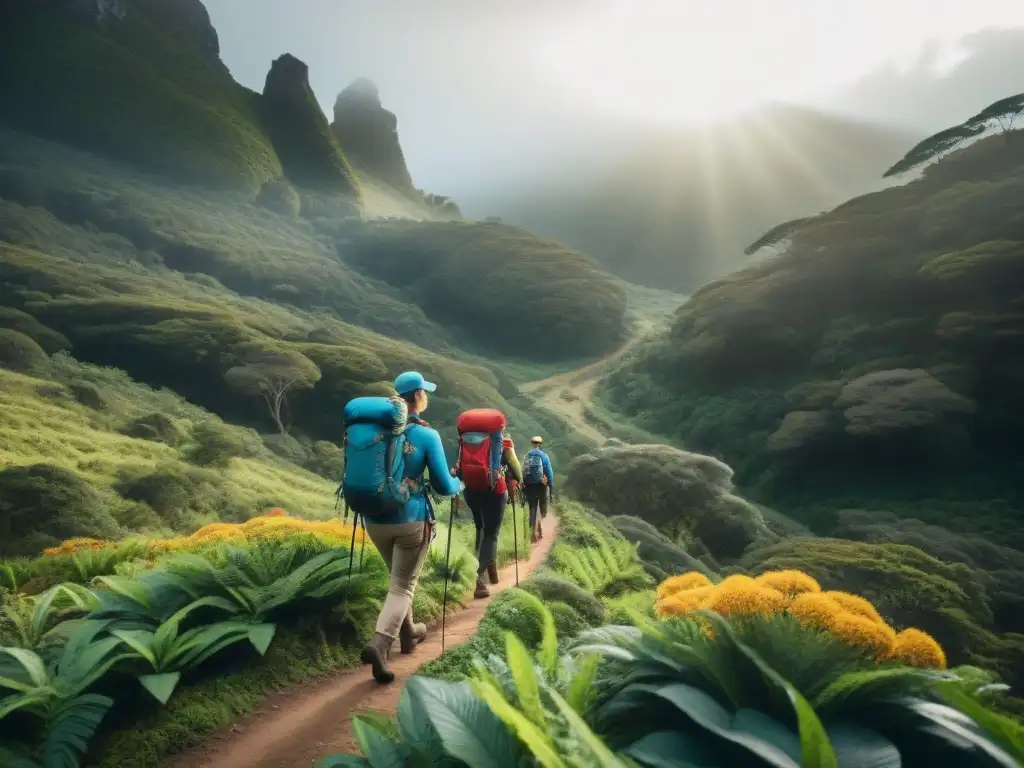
858, 630
815, 610
789, 582
917, 649
857, 605
690, 580
683, 602
742, 596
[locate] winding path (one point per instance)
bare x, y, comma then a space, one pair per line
293, 728
568, 394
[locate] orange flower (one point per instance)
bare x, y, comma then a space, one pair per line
275, 512
683, 602
857, 605
815, 610
917, 649
858, 630
742, 596
789, 582
690, 580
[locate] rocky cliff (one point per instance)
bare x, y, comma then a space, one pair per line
368, 134
309, 153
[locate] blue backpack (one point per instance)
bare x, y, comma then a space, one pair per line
374, 481
533, 467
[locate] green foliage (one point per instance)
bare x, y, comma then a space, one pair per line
683, 693
479, 276
18, 352
214, 445
875, 355
44, 504
679, 492
662, 557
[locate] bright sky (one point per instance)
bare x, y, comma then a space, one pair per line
694, 60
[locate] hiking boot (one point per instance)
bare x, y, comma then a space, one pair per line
411, 634
534, 537
481, 588
376, 654
492, 573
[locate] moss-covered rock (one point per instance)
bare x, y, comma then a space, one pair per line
279, 196
676, 491
300, 133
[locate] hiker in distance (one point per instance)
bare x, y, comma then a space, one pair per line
388, 446
539, 484
486, 457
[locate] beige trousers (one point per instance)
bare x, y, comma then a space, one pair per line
404, 548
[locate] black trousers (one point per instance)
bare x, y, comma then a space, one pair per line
488, 513
537, 498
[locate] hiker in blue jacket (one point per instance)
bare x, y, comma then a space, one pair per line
403, 537
538, 483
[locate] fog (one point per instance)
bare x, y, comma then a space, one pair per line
493, 93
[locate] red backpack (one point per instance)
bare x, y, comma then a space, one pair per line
480, 447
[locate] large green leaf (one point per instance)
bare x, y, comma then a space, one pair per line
671, 749
381, 751
11, 759
579, 731
343, 761
31, 701
71, 729
857, 747
862, 687
133, 589
160, 685
578, 691
952, 725
755, 732
537, 741
260, 635
199, 644
467, 728
139, 640
1009, 733
415, 728
30, 664
521, 666
815, 748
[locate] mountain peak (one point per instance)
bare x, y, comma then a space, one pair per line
368, 134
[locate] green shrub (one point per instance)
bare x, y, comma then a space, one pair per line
18, 352
87, 394
568, 622
184, 497
214, 445
155, 426
47, 338
43, 505
550, 587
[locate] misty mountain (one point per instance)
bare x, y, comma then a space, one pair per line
673, 209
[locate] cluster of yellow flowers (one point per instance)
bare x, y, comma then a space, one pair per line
276, 524
842, 614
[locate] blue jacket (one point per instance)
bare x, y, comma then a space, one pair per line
425, 452
548, 473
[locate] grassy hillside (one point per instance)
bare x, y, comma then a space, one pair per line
675, 209
505, 289
875, 364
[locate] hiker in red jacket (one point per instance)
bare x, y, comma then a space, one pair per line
488, 465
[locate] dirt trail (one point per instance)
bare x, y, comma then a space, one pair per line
293, 728
567, 394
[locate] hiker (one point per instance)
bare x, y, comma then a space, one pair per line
486, 456
539, 483
403, 529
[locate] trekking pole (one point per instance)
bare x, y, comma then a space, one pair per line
362, 544
515, 536
447, 558
351, 557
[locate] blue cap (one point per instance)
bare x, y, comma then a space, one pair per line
410, 381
